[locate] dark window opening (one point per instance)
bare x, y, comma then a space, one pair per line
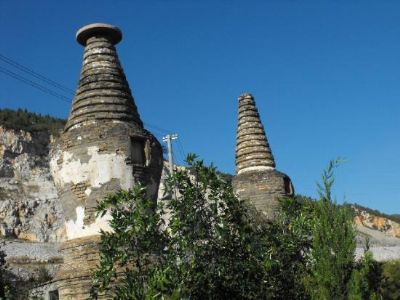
137, 151
53, 295
288, 186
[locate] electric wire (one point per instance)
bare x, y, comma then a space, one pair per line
31, 72
161, 131
34, 84
180, 148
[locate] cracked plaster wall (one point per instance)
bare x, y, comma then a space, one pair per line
94, 160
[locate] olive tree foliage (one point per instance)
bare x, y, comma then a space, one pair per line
205, 243
213, 246
133, 247
217, 247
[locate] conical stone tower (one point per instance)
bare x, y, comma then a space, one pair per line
103, 148
256, 178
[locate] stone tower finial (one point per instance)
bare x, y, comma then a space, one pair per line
103, 92
113, 33
252, 149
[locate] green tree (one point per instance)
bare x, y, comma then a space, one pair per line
331, 256
213, 246
365, 279
217, 243
390, 283
129, 253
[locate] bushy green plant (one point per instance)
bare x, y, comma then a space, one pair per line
331, 256
132, 250
215, 246
390, 283
365, 279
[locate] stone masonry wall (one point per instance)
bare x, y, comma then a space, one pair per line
263, 189
93, 161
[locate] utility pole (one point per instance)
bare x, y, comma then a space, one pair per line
168, 139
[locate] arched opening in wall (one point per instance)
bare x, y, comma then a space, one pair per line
288, 186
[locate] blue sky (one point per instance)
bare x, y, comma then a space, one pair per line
325, 75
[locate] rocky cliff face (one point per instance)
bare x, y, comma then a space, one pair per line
29, 209
374, 222
382, 233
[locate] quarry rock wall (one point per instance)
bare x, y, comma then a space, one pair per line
29, 206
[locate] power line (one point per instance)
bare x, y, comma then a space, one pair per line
162, 131
182, 152
159, 129
36, 74
34, 84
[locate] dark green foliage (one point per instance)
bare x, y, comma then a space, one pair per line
218, 247
390, 283
331, 256
3, 277
136, 243
366, 279
21, 119
216, 244
291, 244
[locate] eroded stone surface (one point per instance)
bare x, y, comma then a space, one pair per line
29, 206
256, 179
252, 149
104, 146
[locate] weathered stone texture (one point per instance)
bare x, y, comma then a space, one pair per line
29, 207
263, 189
104, 146
252, 148
96, 159
103, 92
81, 255
256, 179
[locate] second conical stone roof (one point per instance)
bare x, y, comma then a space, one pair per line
252, 149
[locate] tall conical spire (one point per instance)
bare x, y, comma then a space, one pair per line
252, 149
103, 92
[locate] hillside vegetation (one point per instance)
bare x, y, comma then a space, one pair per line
22, 119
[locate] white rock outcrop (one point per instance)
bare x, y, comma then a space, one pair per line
29, 209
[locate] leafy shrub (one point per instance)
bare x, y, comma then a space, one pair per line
390, 284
